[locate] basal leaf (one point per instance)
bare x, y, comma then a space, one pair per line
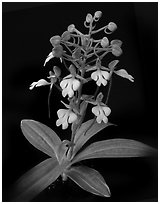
36, 180
41, 136
89, 179
87, 130
115, 148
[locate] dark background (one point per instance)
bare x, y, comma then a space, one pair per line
26, 30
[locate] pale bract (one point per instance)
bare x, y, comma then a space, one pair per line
50, 56
123, 73
69, 84
65, 116
100, 77
101, 112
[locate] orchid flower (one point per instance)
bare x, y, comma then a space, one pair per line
65, 116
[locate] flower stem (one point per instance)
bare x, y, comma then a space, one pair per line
109, 90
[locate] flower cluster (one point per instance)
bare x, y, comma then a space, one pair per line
82, 56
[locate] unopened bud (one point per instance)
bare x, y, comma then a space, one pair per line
112, 26
57, 71
66, 36
72, 70
89, 18
97, 14
77, 53
57, 51
55, 40
104, 42
99, 97
116, 42
71, 28
116, 50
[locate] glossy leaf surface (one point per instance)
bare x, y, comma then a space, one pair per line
41, 136
86, 131
114, 148
90, 180
36, 180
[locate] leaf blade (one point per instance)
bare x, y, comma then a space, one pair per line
41, 136
83, 136
114, 148
90, 180
36, 180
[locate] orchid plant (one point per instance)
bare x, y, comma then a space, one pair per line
82, 56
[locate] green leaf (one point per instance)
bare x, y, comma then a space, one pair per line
89, 179
115, 148
36, 180
41, 136
82, 129
86, 131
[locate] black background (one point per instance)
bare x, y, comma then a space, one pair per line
26, 30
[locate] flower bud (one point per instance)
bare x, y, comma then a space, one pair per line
116, 42
104, 42
112, 26
71, 28
97, 15
57, 51
99, 97
55, 40
89, 18
66, 36
77, 53
116, 50
57, 71
72, 69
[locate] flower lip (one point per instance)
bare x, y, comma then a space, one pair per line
65, 116
69, 84
101, 112
100, 77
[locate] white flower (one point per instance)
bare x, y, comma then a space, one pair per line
41, 82
65, 116
101, 112
100, 77
69, 84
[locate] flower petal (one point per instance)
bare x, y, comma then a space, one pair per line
106, 110
99, 119
105, 74
59, 122
72, 117
95, 110
41, 82
68, 76
76, 84
105, 119
64, 125
64, 83
61, 113
94, 76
